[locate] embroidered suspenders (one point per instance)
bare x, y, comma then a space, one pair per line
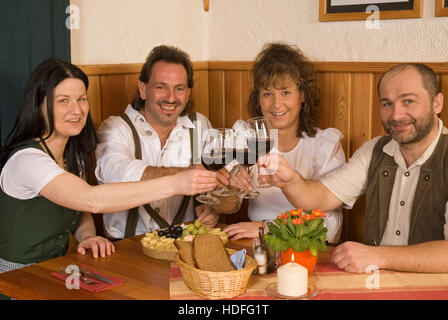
131, 222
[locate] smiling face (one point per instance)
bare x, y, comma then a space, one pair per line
407, 112
166, 94
280, 104
70, 108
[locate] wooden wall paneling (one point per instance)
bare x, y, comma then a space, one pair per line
335, 103
377, 126
246, 88
361, 118
94, 97
217, 102
200, 92
361, 110
113, 95
130, 87
233, 97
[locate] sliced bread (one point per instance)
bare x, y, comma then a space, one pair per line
186, 251
210, 255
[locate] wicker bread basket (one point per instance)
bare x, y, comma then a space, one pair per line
217, 285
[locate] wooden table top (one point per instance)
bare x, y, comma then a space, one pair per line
144, 277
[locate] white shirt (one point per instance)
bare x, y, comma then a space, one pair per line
350, 182
27, 172
312, 157
116, 163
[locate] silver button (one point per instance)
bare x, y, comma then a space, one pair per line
427, 178
407, 174
401, 203
398, 232
142, 120
149, 132
385, 173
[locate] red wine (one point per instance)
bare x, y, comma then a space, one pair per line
260, 146
246, 158
215, 161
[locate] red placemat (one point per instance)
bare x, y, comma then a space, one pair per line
94, 287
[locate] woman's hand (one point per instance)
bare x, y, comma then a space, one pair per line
98, 245
243, 230
194, 181
282, 173
207, 215
240, 178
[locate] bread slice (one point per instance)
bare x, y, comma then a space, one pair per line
186, 251
210, 255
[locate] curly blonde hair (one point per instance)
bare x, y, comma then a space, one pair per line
273, 64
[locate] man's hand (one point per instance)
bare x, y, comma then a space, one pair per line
222, 176
207, 215
282, 173
356, 257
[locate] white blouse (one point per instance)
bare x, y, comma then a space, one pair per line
312, 157
27, 172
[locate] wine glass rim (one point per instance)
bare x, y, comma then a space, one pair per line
256, 118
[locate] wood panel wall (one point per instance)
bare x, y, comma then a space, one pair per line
349, 102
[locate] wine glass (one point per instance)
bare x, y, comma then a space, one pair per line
259, 143
217, 152
263, 142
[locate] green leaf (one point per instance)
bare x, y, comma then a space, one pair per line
286, 233
275, 230
300, 231
276, 244
291, 226
299, 245
321, 246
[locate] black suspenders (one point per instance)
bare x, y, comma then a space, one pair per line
131, 222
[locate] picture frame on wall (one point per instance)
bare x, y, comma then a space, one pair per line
349, 10
441, 8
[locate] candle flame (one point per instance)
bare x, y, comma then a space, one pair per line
292, 257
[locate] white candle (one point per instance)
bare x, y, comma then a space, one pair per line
292, 279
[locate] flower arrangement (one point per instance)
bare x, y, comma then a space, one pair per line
299, 230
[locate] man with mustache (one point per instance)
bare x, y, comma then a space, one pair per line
157, 135
403, 174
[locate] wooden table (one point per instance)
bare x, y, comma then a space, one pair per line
144, 277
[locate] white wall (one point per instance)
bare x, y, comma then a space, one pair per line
124, 31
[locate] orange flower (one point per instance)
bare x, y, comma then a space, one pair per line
283, 216
296, 212
316, 212
296, 221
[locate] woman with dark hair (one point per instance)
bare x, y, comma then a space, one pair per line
46, 158
286, 95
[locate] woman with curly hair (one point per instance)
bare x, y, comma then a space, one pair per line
286, 95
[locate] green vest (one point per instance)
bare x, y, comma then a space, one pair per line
428, 208
36, 229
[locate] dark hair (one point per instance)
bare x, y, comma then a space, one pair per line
30, 123
272, 64
167, 54
429, 77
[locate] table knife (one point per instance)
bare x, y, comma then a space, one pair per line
95, 276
